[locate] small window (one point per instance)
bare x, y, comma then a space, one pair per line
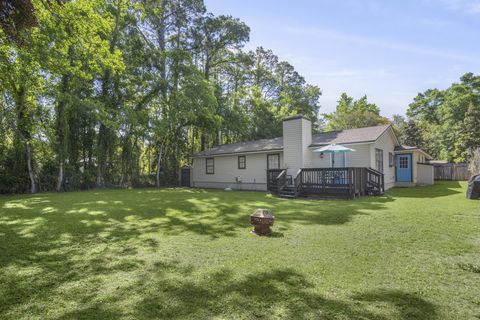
403, 163
242, 162
391, 162
379, 159
273, 161
209, 166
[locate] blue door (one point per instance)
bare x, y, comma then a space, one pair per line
404, 167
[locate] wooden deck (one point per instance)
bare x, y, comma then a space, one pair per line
337, 182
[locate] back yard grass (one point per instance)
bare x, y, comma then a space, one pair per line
185, 253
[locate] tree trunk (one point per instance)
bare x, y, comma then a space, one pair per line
101, 156
192, 151
159, 163
61, 171
23, 131
62, 129
31, 174
104, 133
202, 141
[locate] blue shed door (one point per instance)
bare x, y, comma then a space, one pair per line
404, 167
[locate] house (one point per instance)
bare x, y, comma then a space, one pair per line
378, 162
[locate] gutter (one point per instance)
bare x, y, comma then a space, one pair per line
234, 153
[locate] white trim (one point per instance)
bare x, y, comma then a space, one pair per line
237, 153
393, 133
413, 150
343, 144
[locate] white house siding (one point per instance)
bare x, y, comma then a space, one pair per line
385, 142
425, 174
297, 136
358, 158
254, 177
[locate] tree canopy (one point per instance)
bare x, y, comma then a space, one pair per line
448, 119
351, 113
120, 93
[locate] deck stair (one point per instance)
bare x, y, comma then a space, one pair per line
349, 182
288, 192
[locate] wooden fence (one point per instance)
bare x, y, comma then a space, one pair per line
451, 171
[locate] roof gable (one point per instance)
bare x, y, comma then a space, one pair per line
368, 134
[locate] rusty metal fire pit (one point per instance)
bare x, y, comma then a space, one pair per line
262, 220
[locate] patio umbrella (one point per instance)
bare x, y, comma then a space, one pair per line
333, 148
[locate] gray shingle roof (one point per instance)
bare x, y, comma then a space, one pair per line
410, 148
368, 134
244, 147
404, 147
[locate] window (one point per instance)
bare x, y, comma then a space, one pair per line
391, 162
209, 166
242, 162
379, 159
273, 161
403, 162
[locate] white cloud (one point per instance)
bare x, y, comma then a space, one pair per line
353, 73
332, 35
344, 73
466, 6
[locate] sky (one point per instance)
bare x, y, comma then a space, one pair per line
389, 50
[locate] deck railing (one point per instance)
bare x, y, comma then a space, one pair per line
272, 182
281, 181
375, 180
334, 181
297, 182
346, 182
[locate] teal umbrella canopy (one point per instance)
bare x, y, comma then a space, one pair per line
333, 148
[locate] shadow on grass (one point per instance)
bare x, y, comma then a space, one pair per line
406, 305
50, 241
279, 293
439, 189
121, 214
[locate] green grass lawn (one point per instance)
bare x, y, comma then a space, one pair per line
183, 253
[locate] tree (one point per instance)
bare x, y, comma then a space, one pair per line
352, 113
470, 133
74, 60
399, 125
21, 80
441, 113
120, 93
216, 42
413, 135
15, 18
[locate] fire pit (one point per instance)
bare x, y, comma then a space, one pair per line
262, 220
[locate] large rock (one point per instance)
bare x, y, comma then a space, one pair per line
473, 191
